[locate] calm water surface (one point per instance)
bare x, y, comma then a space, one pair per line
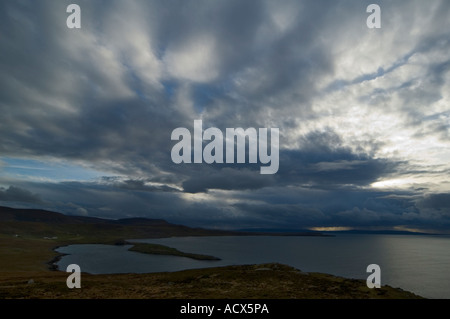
419, 264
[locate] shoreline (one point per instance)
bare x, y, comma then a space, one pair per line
52, 263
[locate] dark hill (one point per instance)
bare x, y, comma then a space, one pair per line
47, 224
31, 215
8, 214
42, 223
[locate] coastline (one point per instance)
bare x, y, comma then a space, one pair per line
52, 264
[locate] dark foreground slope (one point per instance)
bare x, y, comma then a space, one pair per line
268, 281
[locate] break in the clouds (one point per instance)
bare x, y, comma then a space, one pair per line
364, 114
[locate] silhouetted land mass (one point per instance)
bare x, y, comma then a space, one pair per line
32, 222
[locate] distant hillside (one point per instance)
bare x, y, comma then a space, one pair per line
41, 223
8, 214
38, 215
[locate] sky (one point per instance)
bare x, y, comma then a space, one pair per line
363, 114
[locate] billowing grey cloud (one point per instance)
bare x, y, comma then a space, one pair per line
17, 194
290, 207
436, 202
228, 179
324, 161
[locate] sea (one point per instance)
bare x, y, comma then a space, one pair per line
417, 263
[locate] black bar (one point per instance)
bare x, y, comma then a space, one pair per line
233, 308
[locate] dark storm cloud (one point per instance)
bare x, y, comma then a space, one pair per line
358, 171
437, 202
323, 170
227, 179
276, 216
17, 194
322, 162
108, 201
361, 209
276, 207
325, 162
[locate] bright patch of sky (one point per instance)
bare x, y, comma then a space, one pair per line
49, 170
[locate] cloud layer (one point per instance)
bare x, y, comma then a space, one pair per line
364, 114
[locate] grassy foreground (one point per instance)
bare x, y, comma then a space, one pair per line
268, 281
